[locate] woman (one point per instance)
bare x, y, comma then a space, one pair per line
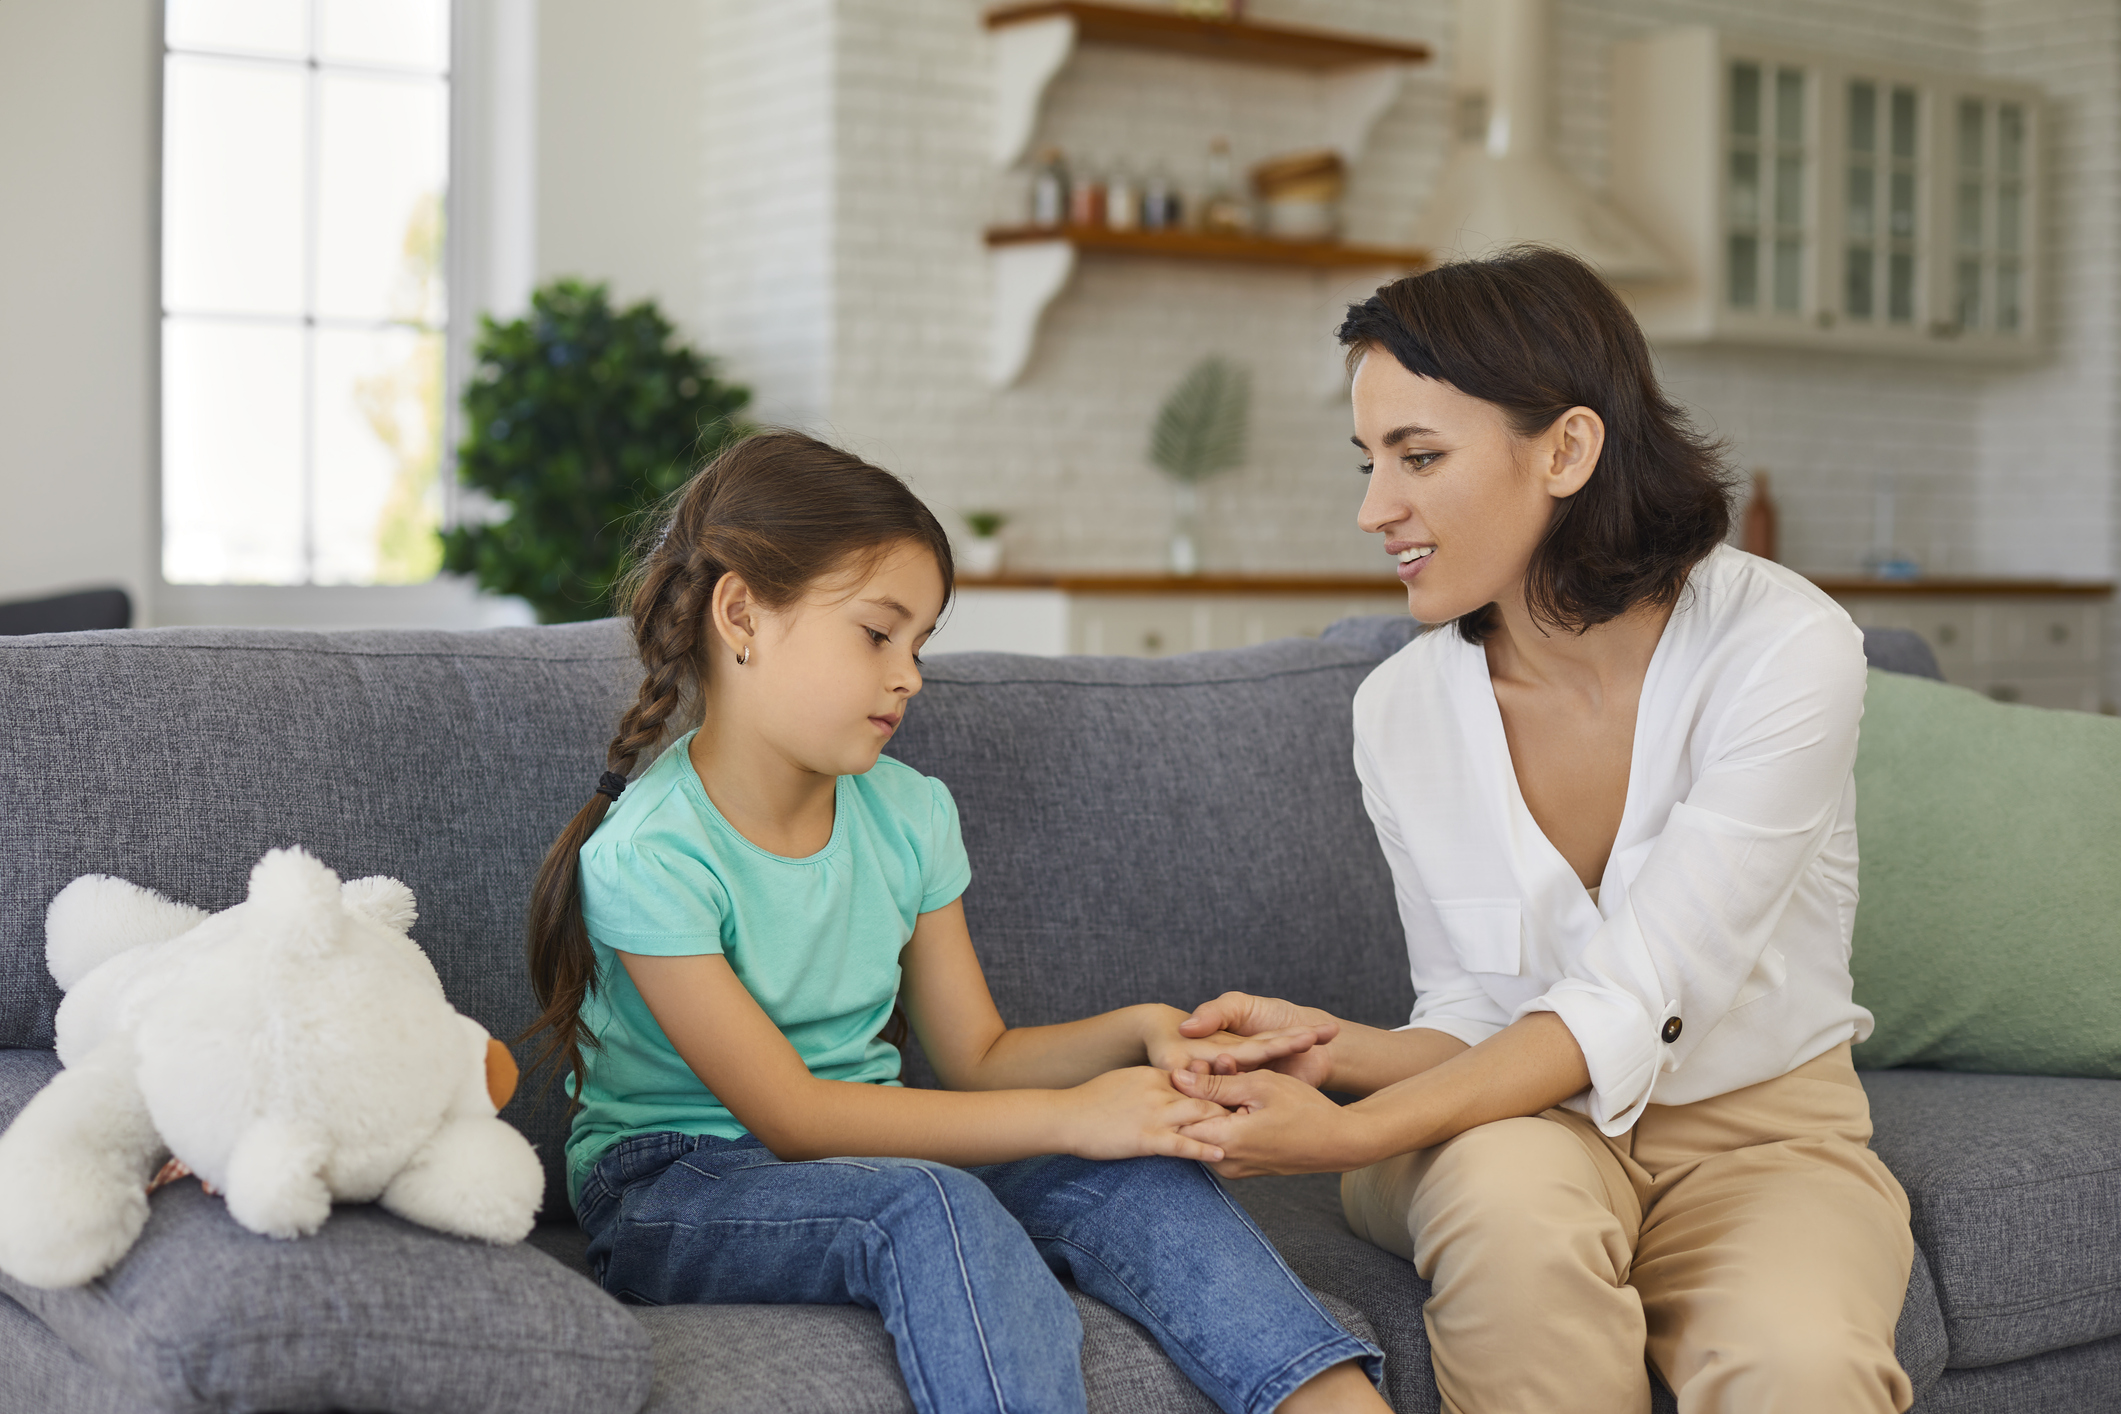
1614, 787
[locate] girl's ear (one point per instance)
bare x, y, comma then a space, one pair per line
733, 613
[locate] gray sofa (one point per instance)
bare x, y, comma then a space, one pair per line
1138, 829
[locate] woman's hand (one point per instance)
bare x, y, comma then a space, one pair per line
1124, 1114
1275, 1124
1242, 1014
1171, 1047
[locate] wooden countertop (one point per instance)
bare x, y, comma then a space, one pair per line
1190, 584
1233, 584
1852, 585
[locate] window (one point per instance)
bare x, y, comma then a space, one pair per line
305, 174
1766, 203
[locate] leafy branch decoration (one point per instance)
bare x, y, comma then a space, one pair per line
1200, 429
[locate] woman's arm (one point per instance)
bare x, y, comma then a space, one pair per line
947, 1000
738, 1053
1285, 1126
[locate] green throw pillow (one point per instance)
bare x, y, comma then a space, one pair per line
1989, 933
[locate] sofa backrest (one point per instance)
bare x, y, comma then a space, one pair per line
1138, 829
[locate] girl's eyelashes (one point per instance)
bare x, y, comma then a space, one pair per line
1367, 467
877, 636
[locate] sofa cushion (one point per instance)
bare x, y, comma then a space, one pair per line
838, 1360
42, 1376
1991, 912
2015, 1182
447, 760
1164, 829
2083, 1379
369, 1313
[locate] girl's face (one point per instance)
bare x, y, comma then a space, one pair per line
1460, 498
829, 676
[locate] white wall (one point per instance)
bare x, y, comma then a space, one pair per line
78, 88
620, 119
1998, 471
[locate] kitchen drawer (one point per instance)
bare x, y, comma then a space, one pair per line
2052, 634
1147, 627
1951, 627
2073, 692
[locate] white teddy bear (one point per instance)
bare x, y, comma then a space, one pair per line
292, 1050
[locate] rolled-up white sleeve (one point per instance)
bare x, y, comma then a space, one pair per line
1664, 968
1447, 997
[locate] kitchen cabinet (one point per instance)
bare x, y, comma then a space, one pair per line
1820, 201
1153, 616
2041, 642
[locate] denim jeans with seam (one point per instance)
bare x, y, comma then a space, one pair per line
962, 1264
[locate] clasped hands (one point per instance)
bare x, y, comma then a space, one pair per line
1263, 1061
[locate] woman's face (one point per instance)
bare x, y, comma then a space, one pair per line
1461, 500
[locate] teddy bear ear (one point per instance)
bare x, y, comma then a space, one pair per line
384, 899
96, 917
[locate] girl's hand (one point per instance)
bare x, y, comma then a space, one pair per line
1124, 1114
1228, 1052
1274, 1124
1257, 1019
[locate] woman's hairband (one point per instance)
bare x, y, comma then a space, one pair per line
610, 783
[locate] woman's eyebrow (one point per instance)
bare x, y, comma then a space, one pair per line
892, 605
1401, 434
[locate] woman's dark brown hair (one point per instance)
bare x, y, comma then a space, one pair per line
1535, 332
780, 511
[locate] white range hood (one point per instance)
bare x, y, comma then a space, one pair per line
1502, 183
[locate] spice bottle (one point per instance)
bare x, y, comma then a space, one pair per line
1223, 211
1086, 200
1049, 189
1122, 199
1160, 208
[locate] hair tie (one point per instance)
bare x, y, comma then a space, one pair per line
610, 783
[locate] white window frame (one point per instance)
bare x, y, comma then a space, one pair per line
488, 259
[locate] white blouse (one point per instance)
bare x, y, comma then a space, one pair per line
1716, 955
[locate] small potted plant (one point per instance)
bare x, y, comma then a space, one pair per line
1199, 433
981, 556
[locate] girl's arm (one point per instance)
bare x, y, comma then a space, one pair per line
947, 1001
739, 1054
1285, 1126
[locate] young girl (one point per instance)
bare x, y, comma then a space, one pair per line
718, 954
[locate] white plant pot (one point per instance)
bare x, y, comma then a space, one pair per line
981, 556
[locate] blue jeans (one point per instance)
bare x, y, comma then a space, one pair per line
962, 1263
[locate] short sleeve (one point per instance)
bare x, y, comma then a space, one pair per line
651, 902
945, 871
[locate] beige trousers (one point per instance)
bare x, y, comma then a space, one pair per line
1750, 1244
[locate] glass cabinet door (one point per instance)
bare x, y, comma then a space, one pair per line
1767, 224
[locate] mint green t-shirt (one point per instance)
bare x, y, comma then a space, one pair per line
815, 941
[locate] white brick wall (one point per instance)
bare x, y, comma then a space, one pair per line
848, 281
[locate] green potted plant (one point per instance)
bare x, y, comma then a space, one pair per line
580, 419
981, 556
1199, 433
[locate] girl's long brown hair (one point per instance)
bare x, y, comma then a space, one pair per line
778, 509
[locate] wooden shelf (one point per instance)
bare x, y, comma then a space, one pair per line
1238, 41
1853, 585
1218, 584
1200, 245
